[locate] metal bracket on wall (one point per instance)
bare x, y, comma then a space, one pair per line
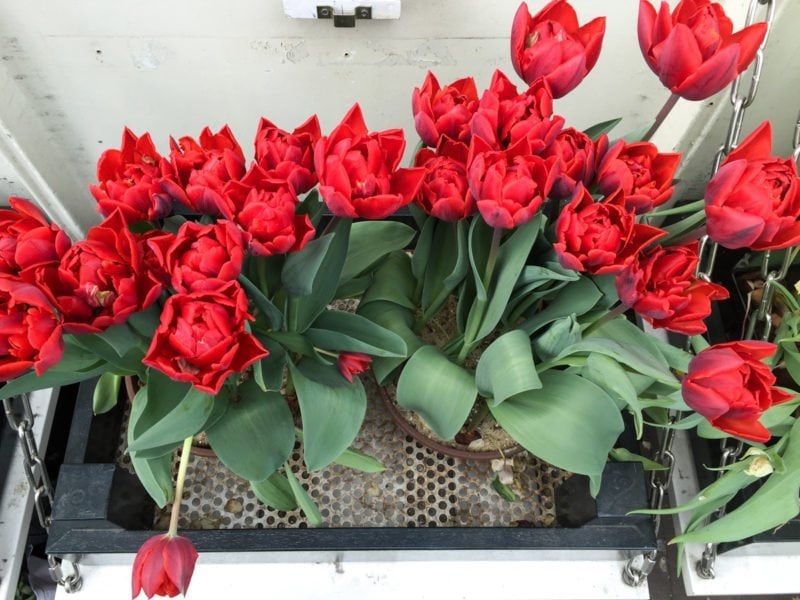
342, 20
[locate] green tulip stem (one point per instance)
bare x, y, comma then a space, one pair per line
176, 502
609, 316
492, 260
662, 114
331, 225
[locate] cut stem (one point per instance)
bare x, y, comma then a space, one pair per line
176, 502
662, 114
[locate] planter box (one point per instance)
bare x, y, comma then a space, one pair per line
101, 508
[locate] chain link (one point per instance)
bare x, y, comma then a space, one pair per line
21, 421
638, 568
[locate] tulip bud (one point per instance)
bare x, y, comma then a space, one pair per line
164, 566
353, 363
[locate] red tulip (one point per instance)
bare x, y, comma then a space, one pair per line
660, 285
444, 111
505, 116
445, 193
28, 242
694, 51
551, 44
358, 174
288, 156
642, 172
730, 386
600, 237
163, 566
509, 186
753, 201
353, 363
576, 153
137, 180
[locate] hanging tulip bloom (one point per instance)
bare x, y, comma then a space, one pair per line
753, 201
163, 566
551, 44
694, 51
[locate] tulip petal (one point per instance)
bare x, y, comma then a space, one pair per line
711, 76
645, 26
749, 39
756, 146
751, 430
678, 57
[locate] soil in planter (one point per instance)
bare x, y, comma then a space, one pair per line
419, 488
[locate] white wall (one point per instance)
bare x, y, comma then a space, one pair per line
87, 68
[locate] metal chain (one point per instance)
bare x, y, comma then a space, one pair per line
730, 453
35, 470
740, 103
640, 566
708, 248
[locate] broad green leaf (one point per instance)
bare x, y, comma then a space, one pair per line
354, 459
393, 281
145, 322
422, 249
570, 423
609, 375
370, 241
447, 263
511, 259
130, 364
332, 410
271, 312
275, 492
354, 288
57, 376
155, 474
631, 357
595, 131
297, 343
272, 365
576, 298
304, 309
397, 319
304, 501
770, 506
561, 334
106, 393
506, 368
256, 434
791, 358
171, 411
341, 331
303, 267
440, 391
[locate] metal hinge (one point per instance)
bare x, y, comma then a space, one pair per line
342, 20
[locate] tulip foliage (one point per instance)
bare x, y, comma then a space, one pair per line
221, 282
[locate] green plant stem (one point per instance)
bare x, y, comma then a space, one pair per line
331, 225
662, 114
678, 210
609, 316
698, 343
176, 502
787, 296
474, 322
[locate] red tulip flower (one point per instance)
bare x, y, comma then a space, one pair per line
730, 386
352, 363
753, 201
163, 566
358, 174
445, 193
553, 45
694, 51
28, 242
444, 111
288, 156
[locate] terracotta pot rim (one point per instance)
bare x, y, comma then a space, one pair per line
423, 439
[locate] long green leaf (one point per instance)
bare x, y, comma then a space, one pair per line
271, 312
106, 393
341, 331
609, 375
393, 282
332, 411
275, 491
303, 267
440, 391
576, 298
256, 434
155, 474
304, 501
570, 423
595, 131
171, 412
370, 241
506, 368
